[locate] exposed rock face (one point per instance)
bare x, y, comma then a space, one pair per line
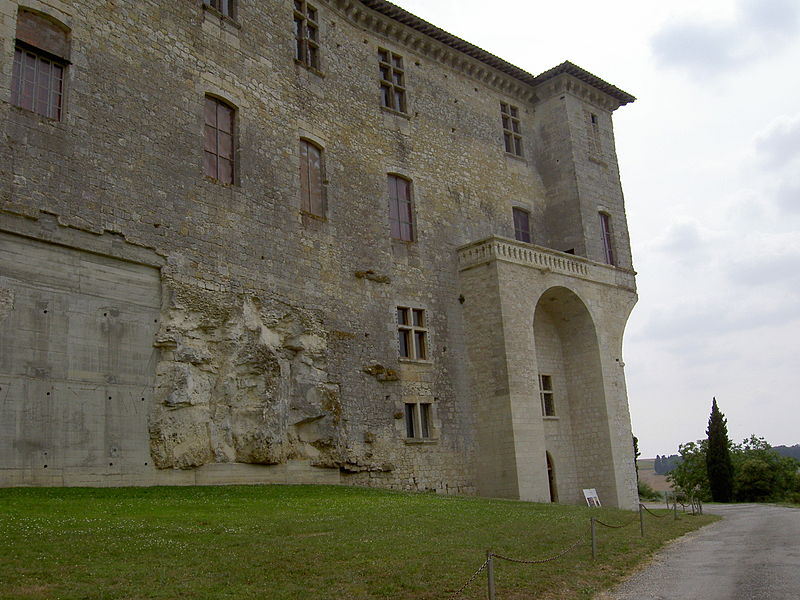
243, 379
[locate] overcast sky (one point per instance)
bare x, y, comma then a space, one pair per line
710, 162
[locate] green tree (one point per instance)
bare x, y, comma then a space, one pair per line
690, 475
760, 473
718, 457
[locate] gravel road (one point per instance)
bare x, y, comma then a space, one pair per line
752, 554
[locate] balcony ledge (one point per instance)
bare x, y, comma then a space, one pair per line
502, 249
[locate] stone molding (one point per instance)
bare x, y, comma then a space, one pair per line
497, 248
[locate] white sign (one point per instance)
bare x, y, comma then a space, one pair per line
592, 499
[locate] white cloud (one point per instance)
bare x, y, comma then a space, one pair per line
707, 48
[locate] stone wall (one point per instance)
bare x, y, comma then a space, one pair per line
277, 339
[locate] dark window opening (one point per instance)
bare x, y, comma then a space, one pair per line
522, 227
412, 333
608, 248
393, 88
224, 7
512, 130
312, 188
418, 420
546, 396
401, 209
40, 59
306, 34
219, 149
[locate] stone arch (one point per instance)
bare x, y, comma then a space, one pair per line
577, 429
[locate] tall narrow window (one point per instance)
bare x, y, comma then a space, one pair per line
608, 247
546, 396
412, 333
219, 140
224, 7
393, 85
512, 131
522, 227
312, 188
306, 34
40, 60
401, 209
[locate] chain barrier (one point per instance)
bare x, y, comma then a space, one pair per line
470, 580
567, 550
652, 513
543, 560
599, 522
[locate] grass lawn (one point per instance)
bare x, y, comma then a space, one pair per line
315, 542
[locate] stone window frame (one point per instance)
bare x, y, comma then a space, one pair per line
547, 396
418, 421
607, 233
402, 222
413, 333
307, 203
42, 48
212, 138
306, 35
512, 129
522, 232
223, 8
394, 95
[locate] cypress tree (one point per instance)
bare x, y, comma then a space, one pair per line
718, 457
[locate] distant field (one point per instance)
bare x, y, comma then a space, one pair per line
289, 542
646, 474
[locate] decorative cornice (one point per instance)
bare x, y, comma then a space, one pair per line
426, 38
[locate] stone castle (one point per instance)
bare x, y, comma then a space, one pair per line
305, 241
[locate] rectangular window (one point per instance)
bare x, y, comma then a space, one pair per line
512, 131
225, 7
412, 333
608, 248
546, 395
306, 34
522, 227
418, 420
312, 190
401, 209
393, 86
219, 140
37, 82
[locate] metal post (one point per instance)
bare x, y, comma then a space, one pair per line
490, 573
594, 540
641, 518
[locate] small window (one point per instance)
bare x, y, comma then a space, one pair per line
401, 209
412, 333
522, 227
418, 420
312, 179
40, 61
393, 86
219, 137
546, 395
608, 247
306, 34
512, 131
224, 7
